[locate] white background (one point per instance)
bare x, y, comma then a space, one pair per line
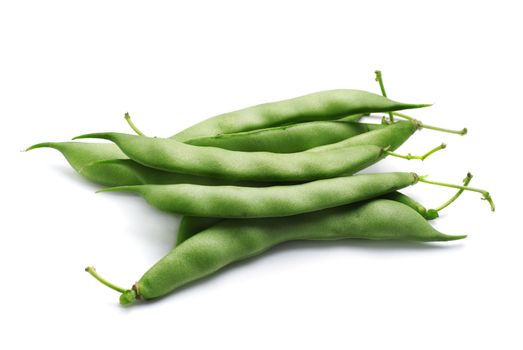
70, 67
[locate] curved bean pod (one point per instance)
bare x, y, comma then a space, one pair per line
233, 240
323, 105
289, 138
273, 201
174, 156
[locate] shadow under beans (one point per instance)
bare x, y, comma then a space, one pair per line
289, 247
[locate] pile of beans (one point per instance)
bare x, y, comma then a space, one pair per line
248, 180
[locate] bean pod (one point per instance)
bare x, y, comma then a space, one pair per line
234, 240
273, 201
323, 105
174, 156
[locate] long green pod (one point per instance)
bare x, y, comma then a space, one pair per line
174, 156
323, 105
289, 138
233, 240
191, 225
273, 201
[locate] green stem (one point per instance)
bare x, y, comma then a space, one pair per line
422, 157
425, 126
379, 79
486, 195
466, 181
92, 271
131, 124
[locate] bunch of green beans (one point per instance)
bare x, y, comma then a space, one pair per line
248, 180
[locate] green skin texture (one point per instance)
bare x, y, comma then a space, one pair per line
323, 105
273, 201
191, 225
391, 136
409, 201
287, 139
126, 172
233, 240
174, 156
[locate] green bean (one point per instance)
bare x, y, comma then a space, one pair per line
287, 139
107, 165
174, 156
323, 105
170, 155
251, 202
191, 225
233, 240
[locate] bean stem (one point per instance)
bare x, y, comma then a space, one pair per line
486, 195
131, 124
92, 271
379, 79
425, 126
466, 181
422, 157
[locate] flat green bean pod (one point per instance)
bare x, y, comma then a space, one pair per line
174, 156
323, 105
289, 138
273, 201
233, 240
